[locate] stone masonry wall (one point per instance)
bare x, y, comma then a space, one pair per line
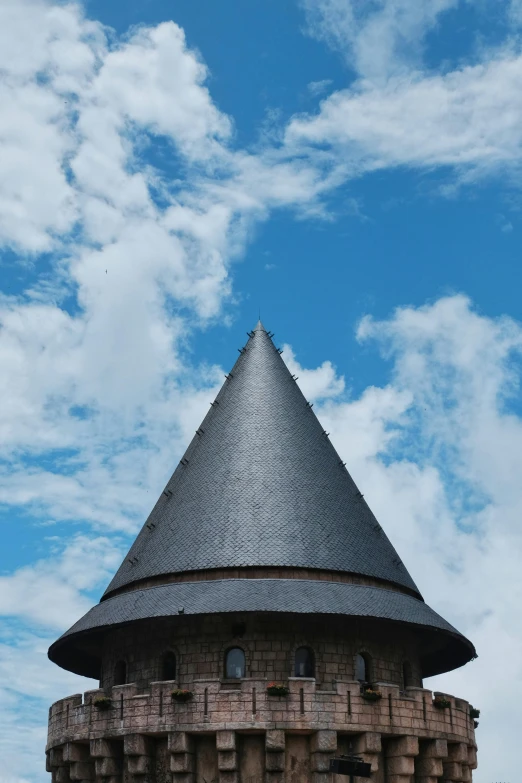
200, 645
244, 735
233, 731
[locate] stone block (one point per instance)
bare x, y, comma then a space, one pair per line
466, 775
321, 777
398, 779
436, 749
101, 748
274, 740
472, 757
226, 740
231, 776
183, 777
320, 762
453, 772
74, 751
458, 751
139, 765
182, 762
136, 745
81, 770
428, 767
323, 741
275, 762
180, 742
55, 757
369, 742
105, 767
403, 746
275, 776
61, 775
227, 760
401, 765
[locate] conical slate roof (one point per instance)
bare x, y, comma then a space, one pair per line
261, 485
261, 515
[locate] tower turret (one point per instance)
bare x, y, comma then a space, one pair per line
261, 561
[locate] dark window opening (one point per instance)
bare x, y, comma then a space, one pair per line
304, 662
363, 668
407, 678
168, 666
120, 673
235, 663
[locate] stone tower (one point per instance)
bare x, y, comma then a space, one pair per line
260, 563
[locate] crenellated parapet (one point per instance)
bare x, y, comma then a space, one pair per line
226, 734
217, 705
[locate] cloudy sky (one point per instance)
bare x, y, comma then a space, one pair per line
353, 169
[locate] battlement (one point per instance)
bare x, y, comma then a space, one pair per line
245, 705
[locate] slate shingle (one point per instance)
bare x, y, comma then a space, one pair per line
261, 485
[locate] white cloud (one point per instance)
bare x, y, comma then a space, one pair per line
49, 592
515, 11
379, 38
469, 119
437, 453
316, 88
317, 384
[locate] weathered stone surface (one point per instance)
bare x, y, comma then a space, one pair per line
275, 762
274, 776
139, 765
227, 760
428, 767
61, 775
74, 751
403, 746
437, 749
180, 742
104, 767
231, 776
55, 757
226, 740
322, 741
320, 762
275, 740
82, 770
401, 765
369, 742
458, 751
182, 762
453, 772
102, 748
136, 745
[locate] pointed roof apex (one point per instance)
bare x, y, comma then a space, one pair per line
261, 485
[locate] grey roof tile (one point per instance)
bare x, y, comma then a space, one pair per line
261, 485
294, 596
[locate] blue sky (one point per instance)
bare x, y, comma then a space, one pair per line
350, 169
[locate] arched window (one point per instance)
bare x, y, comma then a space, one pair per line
406, 675
304, 662
120, 673
168, 666
235, 663
363, 667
